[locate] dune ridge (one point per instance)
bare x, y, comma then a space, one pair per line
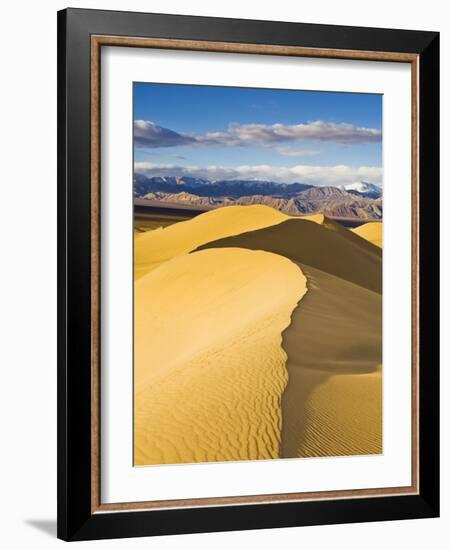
324, 245
155, 247
332, 404
292, 375
209, 382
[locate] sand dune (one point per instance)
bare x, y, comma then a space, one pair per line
325, 246
221, 370
209, 366
154, 247
332, 404
371, 231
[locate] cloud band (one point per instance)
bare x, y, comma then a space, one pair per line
313, 175
150, 135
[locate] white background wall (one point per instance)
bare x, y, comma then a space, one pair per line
28, 271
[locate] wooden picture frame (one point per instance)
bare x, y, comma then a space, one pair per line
81, 35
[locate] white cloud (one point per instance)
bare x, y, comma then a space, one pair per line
313, 175
149, 134
291, 152
263, 134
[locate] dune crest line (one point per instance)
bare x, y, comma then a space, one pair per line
156, 247
210, 369
332, 404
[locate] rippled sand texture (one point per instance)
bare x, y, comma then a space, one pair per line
332, 404
209, 367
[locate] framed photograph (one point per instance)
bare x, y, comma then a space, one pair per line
248, 274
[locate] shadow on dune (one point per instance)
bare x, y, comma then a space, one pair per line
334, 341
329, 247
335, 330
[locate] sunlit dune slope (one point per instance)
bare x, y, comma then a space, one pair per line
154, 247
209, 366
332, 404
371, 231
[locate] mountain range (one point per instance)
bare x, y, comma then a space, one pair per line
360, 200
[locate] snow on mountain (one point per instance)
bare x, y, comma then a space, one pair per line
357, 200
363, 188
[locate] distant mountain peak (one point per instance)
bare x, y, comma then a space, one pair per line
363, 188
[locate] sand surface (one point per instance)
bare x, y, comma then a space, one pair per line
371, 231
332, 404
209, 367
155, 247
326, 246
234, 360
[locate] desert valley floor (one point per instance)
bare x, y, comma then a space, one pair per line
257, 335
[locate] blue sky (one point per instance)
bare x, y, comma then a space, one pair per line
283, 135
